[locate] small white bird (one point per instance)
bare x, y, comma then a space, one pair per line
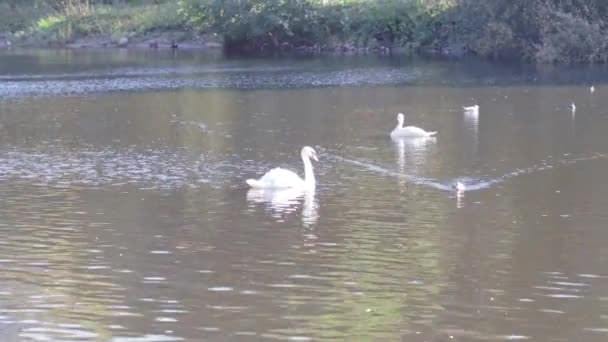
279, 178
592, 89
573, 107
408, 131
459, 187
471, 109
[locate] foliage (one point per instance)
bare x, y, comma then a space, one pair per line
256, 24
541, 30
114, 21
15, 18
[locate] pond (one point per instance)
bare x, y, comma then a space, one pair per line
125, 215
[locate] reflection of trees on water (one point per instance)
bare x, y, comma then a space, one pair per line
54, 275
374, 282
412, 153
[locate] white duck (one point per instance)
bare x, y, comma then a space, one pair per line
279, 178
408, 131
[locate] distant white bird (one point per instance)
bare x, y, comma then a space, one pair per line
279, 178
408, 131
573, 107
592, 89
459, 187
471, 109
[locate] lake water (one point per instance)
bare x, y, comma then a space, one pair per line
124, 215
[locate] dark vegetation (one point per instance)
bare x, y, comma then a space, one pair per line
565, 31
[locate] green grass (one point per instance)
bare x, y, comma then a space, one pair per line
139, 19
109, 21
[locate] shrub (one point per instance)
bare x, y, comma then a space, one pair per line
572, 39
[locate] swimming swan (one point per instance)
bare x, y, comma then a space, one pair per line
471, 109
279, 178
409, 131
459, 187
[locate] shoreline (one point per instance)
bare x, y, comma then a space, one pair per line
159, 41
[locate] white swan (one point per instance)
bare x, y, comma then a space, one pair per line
573, 107
278, 178
471, 109
459, 187
592, 89
408, 131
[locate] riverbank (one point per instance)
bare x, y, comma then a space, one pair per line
541, 32
165, 25
155, 26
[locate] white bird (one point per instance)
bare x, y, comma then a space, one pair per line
573, 107
408, 131
471, 109
592, 89
279, 178
459, 187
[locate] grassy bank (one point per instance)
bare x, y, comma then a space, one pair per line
542, 30
101, 24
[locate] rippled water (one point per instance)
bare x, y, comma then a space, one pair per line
124, 215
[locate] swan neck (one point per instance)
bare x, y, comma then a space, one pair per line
399, 126
309, 176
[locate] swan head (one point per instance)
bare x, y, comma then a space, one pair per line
400, 118
309, 153
459, 186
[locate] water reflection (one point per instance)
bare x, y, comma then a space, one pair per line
285, 201
459, 198
412, 152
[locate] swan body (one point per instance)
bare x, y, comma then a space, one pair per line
592, 89
573, 107
279, 178
471, 109
409, 131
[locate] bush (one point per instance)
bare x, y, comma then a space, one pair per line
572, 39
562, 31
257, 24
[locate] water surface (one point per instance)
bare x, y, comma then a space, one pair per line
124, 215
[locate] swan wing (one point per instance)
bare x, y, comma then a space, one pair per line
278, 178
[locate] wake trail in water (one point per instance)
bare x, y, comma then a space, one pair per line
472, 184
